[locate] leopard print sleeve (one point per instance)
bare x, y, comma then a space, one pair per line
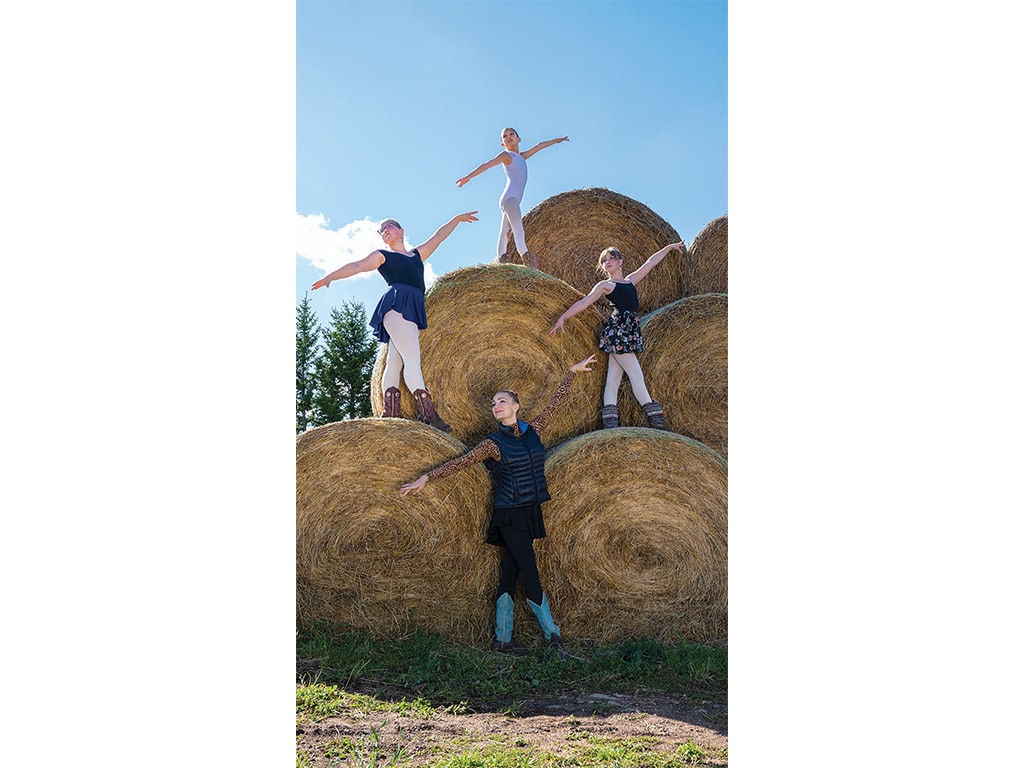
485, 449
561, 392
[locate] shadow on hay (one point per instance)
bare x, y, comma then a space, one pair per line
686, 368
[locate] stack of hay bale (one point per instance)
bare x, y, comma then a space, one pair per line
637, 524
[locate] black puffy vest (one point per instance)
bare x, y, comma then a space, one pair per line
519, 477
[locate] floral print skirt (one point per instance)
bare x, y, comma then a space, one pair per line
621, 333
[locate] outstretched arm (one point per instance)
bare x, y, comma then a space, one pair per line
502, 157
485, 449
561, 392
367, 264
442, 232
647, 266
601, 289
542, 145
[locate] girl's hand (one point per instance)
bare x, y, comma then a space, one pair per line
583, 365
558, 326
467, 217
416, 486
460, 182
323, 282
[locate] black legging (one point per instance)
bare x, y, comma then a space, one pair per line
518, 559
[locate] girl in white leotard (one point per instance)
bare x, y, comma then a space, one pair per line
514, 163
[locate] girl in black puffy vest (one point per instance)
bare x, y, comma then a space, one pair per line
514, 455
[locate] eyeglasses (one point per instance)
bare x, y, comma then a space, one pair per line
389, 225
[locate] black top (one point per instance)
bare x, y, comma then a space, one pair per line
623, 297
399, 268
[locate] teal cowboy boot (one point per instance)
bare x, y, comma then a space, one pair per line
551, 631
503, 627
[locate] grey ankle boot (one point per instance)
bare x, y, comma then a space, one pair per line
609, 417
655, 414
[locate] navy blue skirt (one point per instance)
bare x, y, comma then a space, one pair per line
404, 299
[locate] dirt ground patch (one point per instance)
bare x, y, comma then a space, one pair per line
543, 723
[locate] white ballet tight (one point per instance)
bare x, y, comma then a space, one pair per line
403, 353
512, 218
628, 364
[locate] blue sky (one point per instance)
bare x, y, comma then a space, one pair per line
396, 100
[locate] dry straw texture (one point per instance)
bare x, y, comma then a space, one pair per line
488, 330
686, 368
637, 538
368, 557
568, 231
708, 269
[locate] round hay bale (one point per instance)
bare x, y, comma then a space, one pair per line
568, 231
370, 558
686, 368
708, 267
488, 330
637, 537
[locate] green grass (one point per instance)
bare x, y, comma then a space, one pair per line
638, 752
364, 751
319, 700
422, 671
348, 672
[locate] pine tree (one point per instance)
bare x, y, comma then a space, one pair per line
344, 368
307, 334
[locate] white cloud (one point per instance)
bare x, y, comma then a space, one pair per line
328, 249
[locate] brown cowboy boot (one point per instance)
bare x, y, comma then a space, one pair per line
392, 403
427, 413
530, 260
655, 414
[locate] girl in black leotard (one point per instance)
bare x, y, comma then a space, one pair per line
620, 337
400, 314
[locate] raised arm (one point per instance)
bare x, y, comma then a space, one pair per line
601, 289
367, 264
657, 256
502, 158
442, 232
561, 392
485, 449
542, 145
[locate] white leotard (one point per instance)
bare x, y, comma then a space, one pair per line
515, 172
